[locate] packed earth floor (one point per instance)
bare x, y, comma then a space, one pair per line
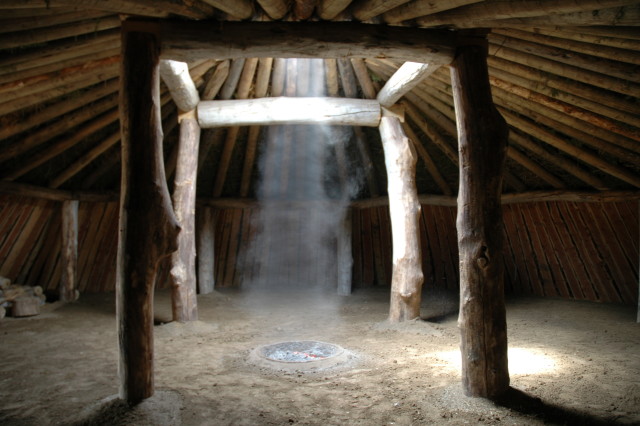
570, 363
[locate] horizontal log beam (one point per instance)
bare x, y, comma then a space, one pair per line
33, 191
188, 41
515, 198
283, 110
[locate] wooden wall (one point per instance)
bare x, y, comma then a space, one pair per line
583, 251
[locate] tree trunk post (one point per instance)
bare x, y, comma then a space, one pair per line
482, 145
206, 247
148, 227
404, 209
184, 303
68, 292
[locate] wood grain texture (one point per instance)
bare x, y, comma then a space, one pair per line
482, 142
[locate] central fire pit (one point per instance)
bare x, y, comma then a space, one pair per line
300, 351
300, 355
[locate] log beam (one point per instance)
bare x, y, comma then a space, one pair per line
68, 283
148, 227
176, 76
408, 76
283, 110
404, 208
482, 145
188, 41
183, 262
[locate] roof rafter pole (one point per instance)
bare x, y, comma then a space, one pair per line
482, 146
496, 10
284, 110
187, 41
148, 227
408, 76
404, 210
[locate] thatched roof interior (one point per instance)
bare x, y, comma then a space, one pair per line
564, 75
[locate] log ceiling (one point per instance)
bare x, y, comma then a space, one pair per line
565, 75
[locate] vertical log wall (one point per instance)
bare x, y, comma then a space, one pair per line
580, 251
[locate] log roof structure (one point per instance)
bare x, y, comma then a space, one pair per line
564, 75
480, 146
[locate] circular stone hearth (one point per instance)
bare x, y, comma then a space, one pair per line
300, 355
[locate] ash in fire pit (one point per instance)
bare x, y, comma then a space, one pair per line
304, 351
298, 355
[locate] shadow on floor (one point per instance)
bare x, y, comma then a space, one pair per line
524, 403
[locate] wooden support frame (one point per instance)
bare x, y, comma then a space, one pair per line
148, 227
482, 144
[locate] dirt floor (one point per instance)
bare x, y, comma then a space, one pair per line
570, 363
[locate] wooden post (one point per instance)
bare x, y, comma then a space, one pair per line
184, 303
345, 255
148, 227
404, 208
206, 240
482, 145
68, 291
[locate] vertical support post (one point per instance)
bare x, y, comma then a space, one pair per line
68, 292
148, 227
404, 209
482, 146
184, 303
206, 247
345, 255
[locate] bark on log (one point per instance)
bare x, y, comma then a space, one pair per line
482, 139
188, 41
176, 76
206, 246
148, 227
251, 112
183, 261
69, 251
406, 281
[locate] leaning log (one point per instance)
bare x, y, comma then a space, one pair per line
183, 262
69, 251
148, 227
176, 76
283, 110
404, 208
408, 76
482, 145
